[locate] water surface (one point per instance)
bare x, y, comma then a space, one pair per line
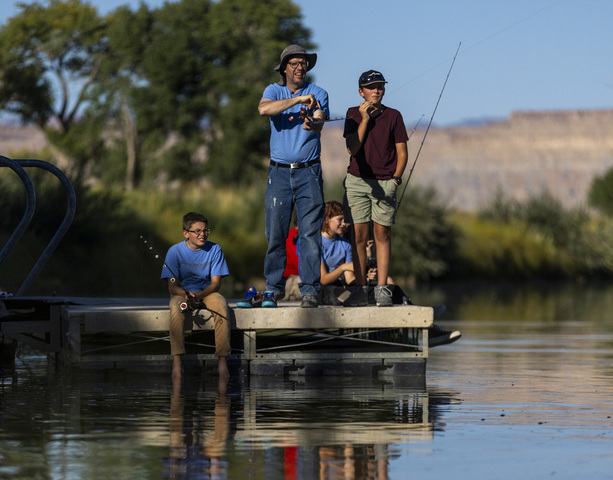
526, 393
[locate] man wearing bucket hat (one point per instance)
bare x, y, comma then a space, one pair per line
376, 139
296, 109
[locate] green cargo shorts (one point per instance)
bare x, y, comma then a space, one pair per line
369, 199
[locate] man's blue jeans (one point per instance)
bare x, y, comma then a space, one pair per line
302, 188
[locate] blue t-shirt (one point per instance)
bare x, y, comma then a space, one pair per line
195, 267
333, 252
289, 142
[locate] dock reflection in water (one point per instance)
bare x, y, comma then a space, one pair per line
316, 428
127, 425
526, 393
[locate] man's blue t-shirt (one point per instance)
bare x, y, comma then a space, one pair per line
195, 267
289, 142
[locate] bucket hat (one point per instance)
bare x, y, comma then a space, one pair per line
293, 51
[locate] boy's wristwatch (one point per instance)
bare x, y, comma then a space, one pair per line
398, 180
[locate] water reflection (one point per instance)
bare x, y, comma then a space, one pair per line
197, 447
105, 424
341, 429
526, 393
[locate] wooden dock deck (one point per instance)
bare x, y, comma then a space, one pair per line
287, 340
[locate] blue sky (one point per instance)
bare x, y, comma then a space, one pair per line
515, 55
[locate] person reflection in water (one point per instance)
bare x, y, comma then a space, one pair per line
195, 453
353, 462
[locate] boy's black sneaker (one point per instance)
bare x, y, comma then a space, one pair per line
437, 336
309, 301
358, 298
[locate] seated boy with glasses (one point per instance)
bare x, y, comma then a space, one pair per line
194, 269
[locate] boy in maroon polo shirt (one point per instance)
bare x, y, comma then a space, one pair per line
376, 139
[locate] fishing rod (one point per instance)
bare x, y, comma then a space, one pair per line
191, 303
415, 128
428, 128
174, 279
318, 122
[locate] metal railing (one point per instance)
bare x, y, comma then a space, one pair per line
18, 166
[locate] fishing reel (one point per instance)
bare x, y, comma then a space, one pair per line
371, 262
190, 304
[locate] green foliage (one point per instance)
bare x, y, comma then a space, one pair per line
424, 240
98, 256
102, 254
169, 93
600, 195
56, 49
489, 249
537, 237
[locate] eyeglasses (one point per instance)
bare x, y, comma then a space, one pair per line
206, 231
294, 65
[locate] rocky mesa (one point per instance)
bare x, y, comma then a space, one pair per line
530, 152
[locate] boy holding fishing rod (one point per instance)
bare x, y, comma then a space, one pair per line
194, 269
376, 139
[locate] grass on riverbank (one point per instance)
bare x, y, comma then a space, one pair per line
102, 254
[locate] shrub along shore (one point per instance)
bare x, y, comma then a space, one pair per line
103, 255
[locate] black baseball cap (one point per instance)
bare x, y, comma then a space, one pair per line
371, 76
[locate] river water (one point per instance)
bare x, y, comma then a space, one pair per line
527, 392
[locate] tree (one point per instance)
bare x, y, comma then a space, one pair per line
600, 195
249, 36
50, 58
164, 93
424, 241
203, 72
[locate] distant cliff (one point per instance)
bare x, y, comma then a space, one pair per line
523, 156
530, 152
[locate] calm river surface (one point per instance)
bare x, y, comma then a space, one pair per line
526, 393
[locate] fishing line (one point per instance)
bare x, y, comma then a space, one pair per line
428, 127
478, 42
174, 279
415, 127
184, 306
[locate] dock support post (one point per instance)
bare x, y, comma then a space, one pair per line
249, 344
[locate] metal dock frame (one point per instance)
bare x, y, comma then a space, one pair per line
357, 350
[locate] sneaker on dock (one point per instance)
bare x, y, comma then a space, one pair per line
383, 296
252, 299
437, 336
358, 298
269, 300
309, 301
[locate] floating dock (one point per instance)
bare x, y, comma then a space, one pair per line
288, 340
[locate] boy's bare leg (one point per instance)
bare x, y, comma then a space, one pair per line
222, 368
176, 367
360, 238
383, 237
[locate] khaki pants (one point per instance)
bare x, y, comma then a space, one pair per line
219, 308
